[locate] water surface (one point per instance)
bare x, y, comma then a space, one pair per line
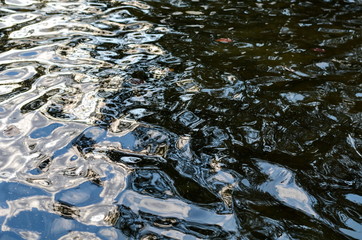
180, 119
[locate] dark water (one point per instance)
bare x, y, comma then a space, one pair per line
181, 119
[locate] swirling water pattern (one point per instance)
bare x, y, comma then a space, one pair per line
180, 119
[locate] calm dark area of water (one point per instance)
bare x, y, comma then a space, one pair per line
180, 119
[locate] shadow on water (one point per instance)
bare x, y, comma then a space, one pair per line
180, 119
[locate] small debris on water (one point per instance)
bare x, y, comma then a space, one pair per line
224, 40
319, 50
11, 131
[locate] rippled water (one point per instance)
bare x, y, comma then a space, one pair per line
181, 119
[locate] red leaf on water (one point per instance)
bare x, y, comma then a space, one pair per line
320, 50
224, 40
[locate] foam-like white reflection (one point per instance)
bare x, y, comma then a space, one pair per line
57, 25
20, 3
175, 208
282, 185
15, 19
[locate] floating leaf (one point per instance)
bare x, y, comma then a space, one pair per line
320, 50
224, 40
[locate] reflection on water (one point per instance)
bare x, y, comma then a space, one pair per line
180, 119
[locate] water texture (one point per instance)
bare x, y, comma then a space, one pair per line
180, 119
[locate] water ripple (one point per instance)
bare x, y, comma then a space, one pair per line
180, 120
